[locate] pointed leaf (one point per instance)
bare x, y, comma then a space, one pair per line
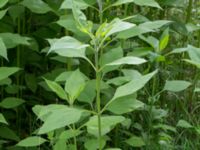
124, 105
184, 124
135, 141
5, 72
2, 119
3, 50
2, 13
129, 60
176, 85
31, 141
133, 86
3, 3
74, 85
164, 40
55, 87
11, 102
151, 3
60, 118
36, 6
107, 124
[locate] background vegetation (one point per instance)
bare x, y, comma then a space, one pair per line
99, 74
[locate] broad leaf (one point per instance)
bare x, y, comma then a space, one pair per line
60, 118
31, 141
36, 6
2, 13
3, 3
12, 40
184, 124
55, 87
11, 102
176, 85
68, 4
92, 144
129, 60
5, 72
2, 119
120, 2
68, 47
107, 124
133, 86
125, 104
3, 50
151, 3
74, 85
135, 141
9, 134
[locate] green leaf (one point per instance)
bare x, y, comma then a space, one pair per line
12, 40
92, 144
36, 6
107, 124
11, 102
31, 82
176, 85
151, 3
31, 141
2, 13
59, 118
194, 53
67, 4
120, 2
164, 40
125, 104
117, 26
3, 50
133, 86
7, 133
135, 141
152, 25
3, 3
184, 124
68, 47
5, 72
55, 87
74, 85
2, 119
129, 60
152, 41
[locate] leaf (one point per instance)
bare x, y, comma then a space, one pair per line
117, 26
107, 124
3, 50
194, 53
129, 60
5, 72
133, 86
74, 85
11, 102
164, 40
184, 124
55, 87
120, 2
7, 133
2, 119
67, 4
60, 118
68, 47
36, 6
31, 82
151, 3
124, 105
135, 141
31, 141
12, 40
152, 25
3, 3
2, 13
176, 85
92, 144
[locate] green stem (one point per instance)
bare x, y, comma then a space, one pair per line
98, 99
189, 11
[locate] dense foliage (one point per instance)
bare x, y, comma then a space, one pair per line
99, 74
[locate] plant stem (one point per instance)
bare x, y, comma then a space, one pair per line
98, 99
